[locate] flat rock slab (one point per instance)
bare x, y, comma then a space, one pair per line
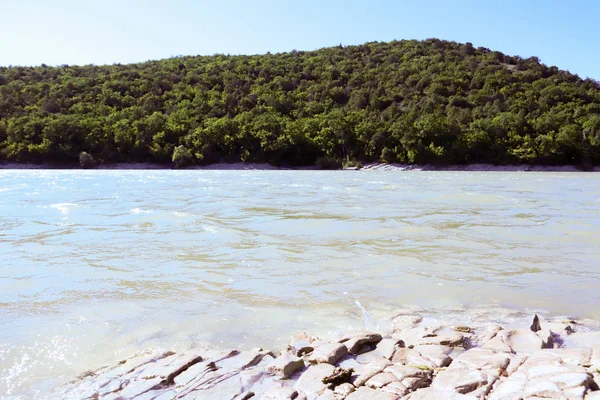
364, 393
432, 394
311, 381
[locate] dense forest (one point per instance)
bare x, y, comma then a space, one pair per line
405, 101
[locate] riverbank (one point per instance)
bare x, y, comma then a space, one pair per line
365, 167
416, 359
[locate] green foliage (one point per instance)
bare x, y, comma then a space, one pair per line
182, 156
404, 101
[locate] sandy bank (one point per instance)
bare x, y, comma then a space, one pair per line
366, 167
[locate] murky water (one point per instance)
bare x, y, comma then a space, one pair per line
97, 265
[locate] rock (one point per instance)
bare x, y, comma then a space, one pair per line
484, 360
301, 344
583, 340
433, 394
365, 372
344, 389
364, 393
595, 358
462, 329
510, 388
286, 365
515, 362
436, 356
412, 378
311, 381
484, 335
424, 356
517, 341
402, 372
546, 374
338, 376
461, 380
329, 353
243, 396
355, 341
535, 326
570, 356
329, 395
387, 347
402, 322
397, 388
281, 393
380, 380
453, 340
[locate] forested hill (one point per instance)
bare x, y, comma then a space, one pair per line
411, 101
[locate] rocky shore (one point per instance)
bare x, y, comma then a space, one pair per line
542, 359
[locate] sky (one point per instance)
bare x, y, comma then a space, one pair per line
77, 32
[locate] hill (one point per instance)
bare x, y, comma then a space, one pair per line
411, 101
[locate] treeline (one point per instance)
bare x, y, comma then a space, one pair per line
411, 101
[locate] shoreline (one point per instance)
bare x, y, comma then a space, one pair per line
267, 167
419, 358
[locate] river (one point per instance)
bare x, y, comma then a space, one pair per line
98, 265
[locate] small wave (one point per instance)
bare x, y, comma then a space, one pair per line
181, 214
140, 211
63, 208
209, 228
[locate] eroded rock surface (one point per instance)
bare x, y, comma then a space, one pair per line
417, 361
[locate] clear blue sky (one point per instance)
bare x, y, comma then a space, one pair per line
564, 33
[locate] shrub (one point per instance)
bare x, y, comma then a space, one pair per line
182, 156
328, 163
86, 160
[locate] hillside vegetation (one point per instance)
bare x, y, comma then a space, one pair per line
410, 101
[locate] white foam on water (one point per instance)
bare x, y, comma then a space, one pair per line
209, 228
63, 208
136, 211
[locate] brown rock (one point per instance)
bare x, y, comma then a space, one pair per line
535, 326
285, 365
329, 353
301, 344
356, 340
452, 340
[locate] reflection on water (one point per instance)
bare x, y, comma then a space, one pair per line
96, 265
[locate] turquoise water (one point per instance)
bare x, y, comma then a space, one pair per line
96, 265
